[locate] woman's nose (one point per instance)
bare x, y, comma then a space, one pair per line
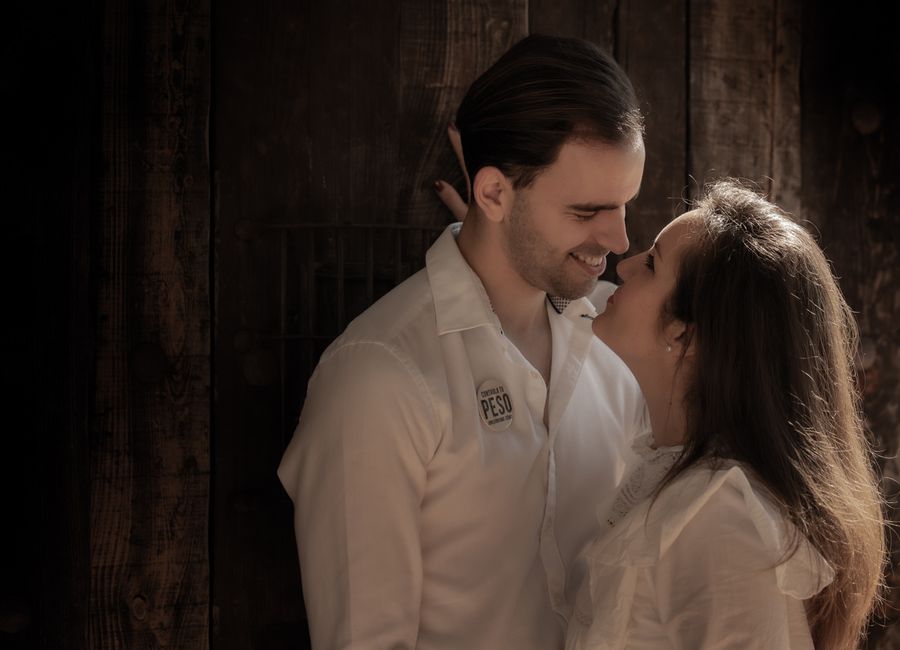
626, 266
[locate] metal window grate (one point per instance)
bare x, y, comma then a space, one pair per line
327, 275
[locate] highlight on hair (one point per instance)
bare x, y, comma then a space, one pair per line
542, 92
772, 386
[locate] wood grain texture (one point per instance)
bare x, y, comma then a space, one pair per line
648, 40
851, 193
287, 76
343, 128
444, 47
594, 21
597, 22
785, 186
743, 92
150, 430
652, 48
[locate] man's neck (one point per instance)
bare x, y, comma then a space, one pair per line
519, 306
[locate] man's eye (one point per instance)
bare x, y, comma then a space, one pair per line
584, 217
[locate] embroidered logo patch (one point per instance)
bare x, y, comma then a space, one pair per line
494, 405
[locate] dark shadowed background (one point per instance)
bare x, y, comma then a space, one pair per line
199, 196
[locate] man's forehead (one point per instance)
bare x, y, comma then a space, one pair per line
591, 174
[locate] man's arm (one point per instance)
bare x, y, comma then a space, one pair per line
355, 470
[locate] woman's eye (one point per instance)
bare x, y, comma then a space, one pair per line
649, 262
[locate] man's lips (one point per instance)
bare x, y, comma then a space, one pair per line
591, 269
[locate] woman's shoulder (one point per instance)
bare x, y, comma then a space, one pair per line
706, 502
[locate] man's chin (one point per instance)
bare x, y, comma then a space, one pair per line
571, 292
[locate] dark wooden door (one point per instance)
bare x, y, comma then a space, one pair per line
328, 126
204, 194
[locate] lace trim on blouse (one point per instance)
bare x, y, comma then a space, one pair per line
644, 478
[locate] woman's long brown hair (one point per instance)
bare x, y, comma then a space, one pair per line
773, 387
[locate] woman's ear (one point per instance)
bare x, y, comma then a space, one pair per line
679, 338
492, 193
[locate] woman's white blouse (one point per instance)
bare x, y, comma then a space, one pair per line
704, 567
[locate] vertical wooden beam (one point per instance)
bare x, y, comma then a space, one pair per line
851, 192
787, 159
649, 41
305, 132
444, 47
743, 94
150, 431
594, 21
49, 165
652, 47
325, 113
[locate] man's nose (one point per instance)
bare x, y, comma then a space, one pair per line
611, 232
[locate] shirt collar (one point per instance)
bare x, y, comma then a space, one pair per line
572, 309
460, 300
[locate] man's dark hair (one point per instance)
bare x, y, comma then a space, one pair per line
541, 93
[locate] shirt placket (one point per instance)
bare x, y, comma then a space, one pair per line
563, 387
554, 567
550, 557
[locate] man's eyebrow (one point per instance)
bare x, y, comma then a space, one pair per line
598, 207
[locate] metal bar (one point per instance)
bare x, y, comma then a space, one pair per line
398, 258
341, 298
282, 330
310, 301
299, 337
367, 226
370, 267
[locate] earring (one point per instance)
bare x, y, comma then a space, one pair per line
668, 348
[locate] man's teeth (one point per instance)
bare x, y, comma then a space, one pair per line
591, 260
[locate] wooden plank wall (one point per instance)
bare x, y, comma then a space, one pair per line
851, 193
163, 416
49, 163
149, 446
324, 113
720, 83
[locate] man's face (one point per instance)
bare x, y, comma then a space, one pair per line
561, 228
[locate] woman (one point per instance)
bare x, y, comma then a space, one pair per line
753, 520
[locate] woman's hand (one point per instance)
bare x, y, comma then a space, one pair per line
445, 191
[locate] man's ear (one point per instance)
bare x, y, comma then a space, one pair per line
679, 337
493, 193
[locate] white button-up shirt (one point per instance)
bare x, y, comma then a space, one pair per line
433, 507
705, 565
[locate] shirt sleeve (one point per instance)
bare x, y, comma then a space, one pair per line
716, 586
355, 470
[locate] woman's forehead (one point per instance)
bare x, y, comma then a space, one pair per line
680, 227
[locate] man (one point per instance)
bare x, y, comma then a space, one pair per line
460, 436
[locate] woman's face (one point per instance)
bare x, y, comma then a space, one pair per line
631, 325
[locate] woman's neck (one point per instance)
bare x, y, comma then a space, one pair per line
665, 403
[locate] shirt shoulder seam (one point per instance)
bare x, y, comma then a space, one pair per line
411, 369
